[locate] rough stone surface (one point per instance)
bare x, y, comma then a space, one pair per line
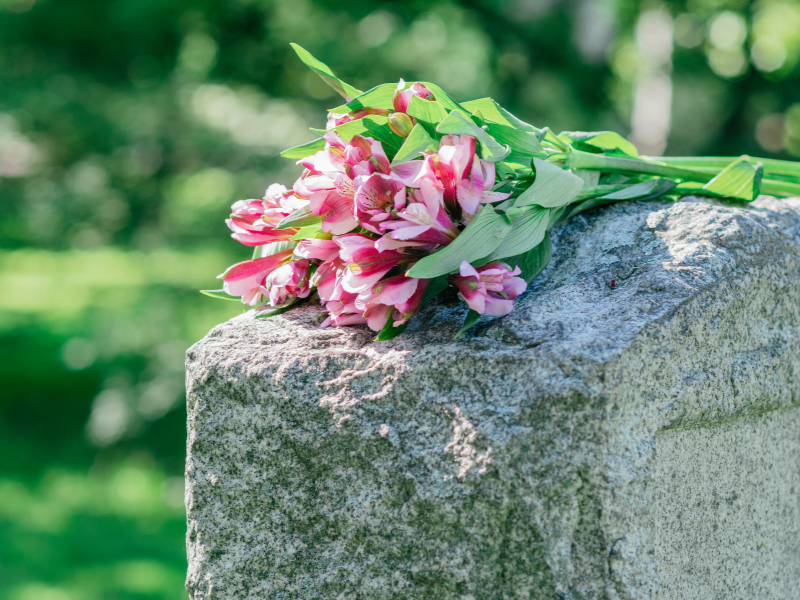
621, 443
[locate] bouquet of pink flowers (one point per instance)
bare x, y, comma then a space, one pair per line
409, 192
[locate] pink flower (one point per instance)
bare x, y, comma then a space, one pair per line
246, 279
490, 289
465, 179
396, 298
253, 221
328, 183
288, 282
366, 265
402, 98
377, 199
343, 311
323, 250
424, 219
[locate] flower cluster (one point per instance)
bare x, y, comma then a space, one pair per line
373, 222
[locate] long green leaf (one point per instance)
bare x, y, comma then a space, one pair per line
304, 150
534, 261
739, 180
492, 111
527, 230
389, 331
460, 124
273, 312
302, 217
553, 187
321, 69
273, 248
378, 97
442, 97
428, 113
220, 294
416, 143
524, 146
478, 240
609, 142
470, 320
312, 232
373, 126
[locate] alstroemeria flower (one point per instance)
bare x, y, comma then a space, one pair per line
246, 279
366, 264
288, 282
312, 248
343, 311
396, 298
378, 198
402, 98
490, 289
253, 221
464, 179
424, 219
327, 181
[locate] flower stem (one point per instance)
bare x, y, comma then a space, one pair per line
601, 162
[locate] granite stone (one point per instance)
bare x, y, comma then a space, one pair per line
634, 441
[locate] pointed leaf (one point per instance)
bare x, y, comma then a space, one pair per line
302, 217
304, 150
470, 320
273, 248
479, 239
553, 187
534, 261
416, 143
435, 287
389, 331
273, 312
428, 113
312, 232
442, 97
609, 142
378, 97
494, 112
220, 294
528, 230
373, 126
327, 75
740, 180
524, 146
460, 124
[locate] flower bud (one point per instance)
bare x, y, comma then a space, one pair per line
401, 124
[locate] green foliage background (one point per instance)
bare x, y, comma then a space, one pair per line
128, 127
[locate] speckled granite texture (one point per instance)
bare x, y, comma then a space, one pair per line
596, 443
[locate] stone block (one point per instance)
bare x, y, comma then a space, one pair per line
634, 441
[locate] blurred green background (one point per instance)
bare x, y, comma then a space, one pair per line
128, 127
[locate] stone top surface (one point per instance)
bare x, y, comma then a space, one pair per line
570, 322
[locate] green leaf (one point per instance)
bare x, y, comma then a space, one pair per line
428, 113
534, 261
273, 248
609, 142
478, 240
373, 126
442, 97
220, 294
312, 232
302, 217
416, 143
389, 331
460, 124
553, 187
304, 150
639, 190
378, 97
435, 287
528, 230
492, 111
327, 75
740, 180
470, 320
273, 312
524, 146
